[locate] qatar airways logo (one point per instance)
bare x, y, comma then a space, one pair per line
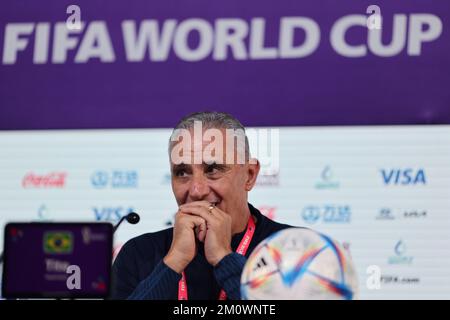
217, 39
50, 180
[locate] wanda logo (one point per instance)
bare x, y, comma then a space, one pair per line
51, 180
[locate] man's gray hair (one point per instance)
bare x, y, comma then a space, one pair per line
209, 120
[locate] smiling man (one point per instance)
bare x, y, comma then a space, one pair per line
215, 228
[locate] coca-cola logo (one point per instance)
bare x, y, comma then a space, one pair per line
50, 180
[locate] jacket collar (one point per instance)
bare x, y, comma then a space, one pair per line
236, 239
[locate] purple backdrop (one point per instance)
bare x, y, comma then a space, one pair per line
323, 88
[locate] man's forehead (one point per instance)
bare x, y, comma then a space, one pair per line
192, 147
220, 145
203, 164
204, 135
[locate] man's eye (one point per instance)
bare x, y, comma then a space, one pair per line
180, 173
212, 169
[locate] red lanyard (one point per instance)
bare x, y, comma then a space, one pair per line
241, 249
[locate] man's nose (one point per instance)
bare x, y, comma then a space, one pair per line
199, 188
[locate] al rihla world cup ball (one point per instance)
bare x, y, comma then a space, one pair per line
299, 264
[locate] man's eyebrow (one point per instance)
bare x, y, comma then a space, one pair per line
204, 163
214, 163
179, 166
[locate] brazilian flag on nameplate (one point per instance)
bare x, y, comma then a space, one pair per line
58, 242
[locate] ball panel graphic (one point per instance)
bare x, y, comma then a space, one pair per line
299, 263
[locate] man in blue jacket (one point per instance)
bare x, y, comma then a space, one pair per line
215, 228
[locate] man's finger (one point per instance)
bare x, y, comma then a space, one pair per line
193, 220
200, 212
203, 204
201, 232
196, 204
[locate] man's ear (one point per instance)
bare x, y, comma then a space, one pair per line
252, 173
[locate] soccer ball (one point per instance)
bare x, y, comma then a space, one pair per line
299, 264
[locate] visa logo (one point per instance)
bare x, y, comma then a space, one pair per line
403, 176
112, 214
